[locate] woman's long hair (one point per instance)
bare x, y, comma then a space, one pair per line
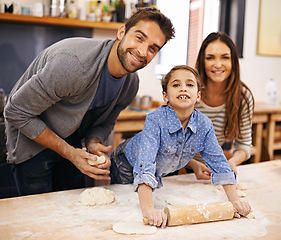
234, 90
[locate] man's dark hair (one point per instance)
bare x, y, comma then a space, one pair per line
152, 14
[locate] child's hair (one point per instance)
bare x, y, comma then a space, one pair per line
165, 80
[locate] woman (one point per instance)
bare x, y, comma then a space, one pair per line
226, 100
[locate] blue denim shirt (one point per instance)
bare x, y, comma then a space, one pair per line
163, 146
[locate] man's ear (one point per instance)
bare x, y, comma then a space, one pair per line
121, 32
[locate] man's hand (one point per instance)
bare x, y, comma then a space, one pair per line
100, 150
77, 156
200, 170
97, 148
80, 157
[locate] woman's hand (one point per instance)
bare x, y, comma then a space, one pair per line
156, 217
237, 158
233, 165
200, 170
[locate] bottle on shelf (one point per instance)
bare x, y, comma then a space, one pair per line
98, 11
62, 5
106, 16
120, 10
112, 9
72, 9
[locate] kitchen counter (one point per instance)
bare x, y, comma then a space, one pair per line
59, 215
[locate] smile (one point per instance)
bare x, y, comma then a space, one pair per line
141, 60
183, 97
217, 72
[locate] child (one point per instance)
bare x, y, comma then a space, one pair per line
171, 136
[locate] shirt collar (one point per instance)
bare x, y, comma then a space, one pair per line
174, 122
193, 121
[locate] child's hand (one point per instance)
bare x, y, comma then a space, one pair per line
156, 217
243, 208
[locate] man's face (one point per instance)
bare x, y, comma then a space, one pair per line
140, 45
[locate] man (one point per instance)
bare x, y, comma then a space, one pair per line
74, 90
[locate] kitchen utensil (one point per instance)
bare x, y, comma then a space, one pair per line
199, 213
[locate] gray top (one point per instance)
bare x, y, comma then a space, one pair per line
56, 90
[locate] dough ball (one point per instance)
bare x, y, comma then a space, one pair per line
134, 228
251, 215
241, 193
96, 196
241, 186
99, 160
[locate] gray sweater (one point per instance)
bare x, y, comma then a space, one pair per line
56, 91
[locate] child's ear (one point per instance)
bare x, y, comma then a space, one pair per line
198, 96
165, 97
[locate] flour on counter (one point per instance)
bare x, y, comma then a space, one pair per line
190, 194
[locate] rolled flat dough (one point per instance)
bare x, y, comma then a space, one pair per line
134, 228
96, 196
99, 160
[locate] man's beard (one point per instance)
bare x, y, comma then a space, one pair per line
122, 58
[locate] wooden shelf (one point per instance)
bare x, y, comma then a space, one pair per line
55, 21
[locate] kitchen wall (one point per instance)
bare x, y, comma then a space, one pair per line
255, 69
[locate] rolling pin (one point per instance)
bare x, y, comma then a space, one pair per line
199, 213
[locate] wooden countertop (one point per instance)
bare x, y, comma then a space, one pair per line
132, 115
59, 215
263, 108
260, 108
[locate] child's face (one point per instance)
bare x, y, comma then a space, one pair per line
182, 91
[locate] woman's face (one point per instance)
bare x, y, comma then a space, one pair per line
217, 61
